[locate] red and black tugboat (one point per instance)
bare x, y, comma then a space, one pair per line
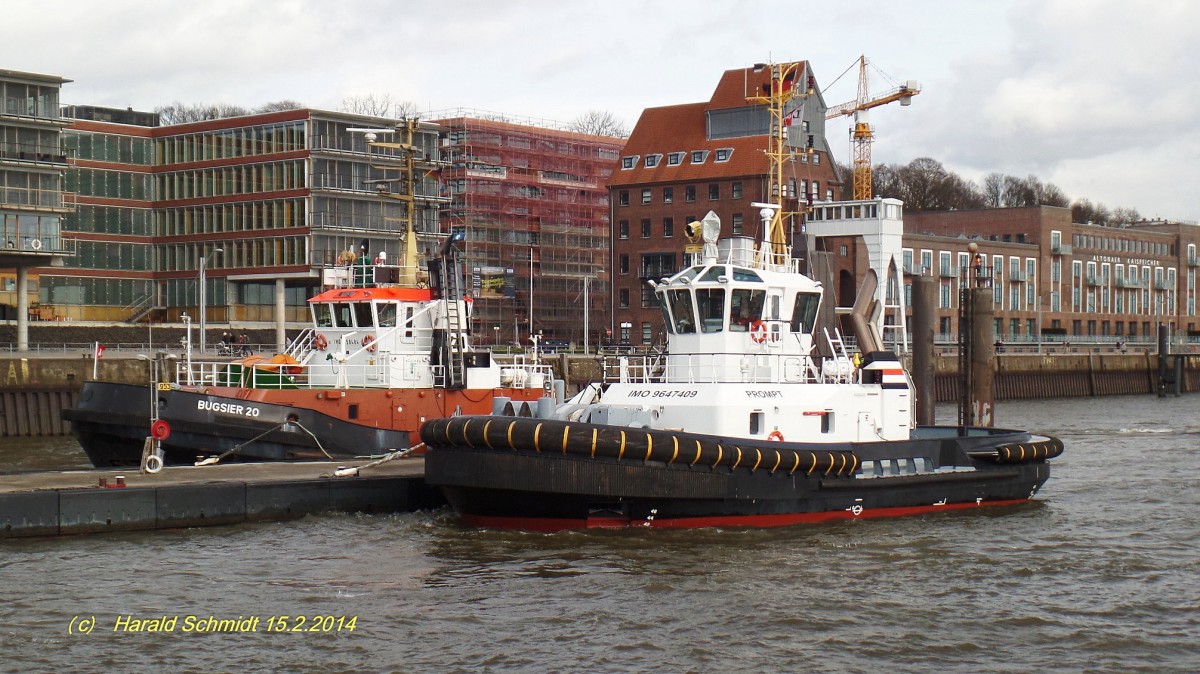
756, 415
386, 352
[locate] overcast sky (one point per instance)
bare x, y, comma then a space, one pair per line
1098, 97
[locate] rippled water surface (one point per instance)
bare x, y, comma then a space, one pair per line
1101, 573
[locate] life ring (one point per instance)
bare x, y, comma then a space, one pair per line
160, 429
369, 343
775, 436
36, 244
154, 464
758, 332
320, 342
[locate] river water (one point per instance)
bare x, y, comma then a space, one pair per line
1100, 574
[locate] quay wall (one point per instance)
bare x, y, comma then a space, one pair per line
35, 389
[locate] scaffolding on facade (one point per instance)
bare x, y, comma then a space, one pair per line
534, 206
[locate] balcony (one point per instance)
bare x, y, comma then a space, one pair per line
1094, 280
36, 199
1127, 282
1060, 249
1193, 261
1018, 276
31, 152
1161, 284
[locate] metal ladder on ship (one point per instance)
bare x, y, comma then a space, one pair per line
840, 354
452, 350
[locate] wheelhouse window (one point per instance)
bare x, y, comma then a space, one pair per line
362, 315
711, 304
387, 314
745, 308
343, 316
682, 312
322, 317
804, 313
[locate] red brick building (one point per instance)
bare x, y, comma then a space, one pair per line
681, 161
1060, 278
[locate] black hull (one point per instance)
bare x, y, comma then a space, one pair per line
112, 422
521, 487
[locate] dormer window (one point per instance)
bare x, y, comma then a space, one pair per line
629, 162
723, 154
674, 159
698, 156
652, 160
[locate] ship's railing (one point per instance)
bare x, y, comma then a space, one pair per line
525, 372
263, 374
726, 368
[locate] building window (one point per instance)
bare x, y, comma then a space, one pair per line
698, 156
658, 265
652, 160
736, 224
645, 228
689, 193
648, 296
623, 198
623, 229
736, 189
723, 154
623, 298
624, 264
646, 196
674, 159
629, 162
843, 250
646, 333
714, 192
668, 195
668, 228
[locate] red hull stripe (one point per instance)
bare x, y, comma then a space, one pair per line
773, 520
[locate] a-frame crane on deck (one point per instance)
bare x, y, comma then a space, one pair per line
862, 134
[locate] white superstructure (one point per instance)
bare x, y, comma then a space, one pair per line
741, 360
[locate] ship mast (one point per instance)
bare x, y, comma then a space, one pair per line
407, 128
787, 83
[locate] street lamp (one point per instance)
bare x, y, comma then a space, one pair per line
203, 291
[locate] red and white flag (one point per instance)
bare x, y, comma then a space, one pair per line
99, 350
794, 115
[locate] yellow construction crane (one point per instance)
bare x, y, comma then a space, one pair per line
862, 134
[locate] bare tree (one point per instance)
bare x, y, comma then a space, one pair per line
280, 106
178, 113
599, 123
1124, 216
375, 105
1052, 195
1084, 211
993, 190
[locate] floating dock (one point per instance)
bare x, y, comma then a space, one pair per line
53, 503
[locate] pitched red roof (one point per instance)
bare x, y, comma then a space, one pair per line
683, 128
